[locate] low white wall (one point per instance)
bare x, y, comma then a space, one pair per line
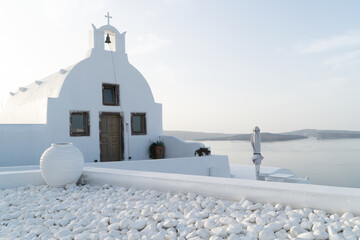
12, 179
19, 168
330, 199
22, 144
175, 147
213, 165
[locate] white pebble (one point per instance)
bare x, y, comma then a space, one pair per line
319, 212
318, 234
237, 206
254, 207
245, 203
4, 205
334, 228
215, 238
203, 233
347, 215
169, 222
30, 236
78, 230
334, 217
227, 220
356, 231
281, 234
274, 226
296, 231
191, 235
267, 234
348, 234
139, 224
124, 223
307, 235
210, 224
253, 231
278, 206
114, 226
260, 221
63, 222
336, 237
83, 236
234, 229
307, 225
84, 222
318, 226
62, 233
219, 231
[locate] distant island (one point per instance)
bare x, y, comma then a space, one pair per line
266, 137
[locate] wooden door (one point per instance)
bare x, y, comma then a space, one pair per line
111, 137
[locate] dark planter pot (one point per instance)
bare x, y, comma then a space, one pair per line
159, 152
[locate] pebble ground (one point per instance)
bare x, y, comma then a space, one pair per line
114, 212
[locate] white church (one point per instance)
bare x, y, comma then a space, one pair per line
102, 104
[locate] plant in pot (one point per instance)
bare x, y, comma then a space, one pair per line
156, 150
203, 151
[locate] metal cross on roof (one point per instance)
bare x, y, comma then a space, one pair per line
108, 18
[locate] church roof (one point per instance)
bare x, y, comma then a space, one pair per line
48, 87
29, 103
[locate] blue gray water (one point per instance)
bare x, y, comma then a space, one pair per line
325, 162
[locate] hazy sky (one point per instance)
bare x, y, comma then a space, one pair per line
216, 66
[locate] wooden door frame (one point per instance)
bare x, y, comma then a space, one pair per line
121, 117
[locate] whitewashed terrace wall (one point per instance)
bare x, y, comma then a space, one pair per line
22, 144
330, 199
13, 179
175, 147
213, 165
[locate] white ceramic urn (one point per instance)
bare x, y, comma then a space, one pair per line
61, 164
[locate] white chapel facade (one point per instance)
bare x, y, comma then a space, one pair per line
102, 104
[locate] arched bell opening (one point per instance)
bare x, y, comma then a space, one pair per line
110, 40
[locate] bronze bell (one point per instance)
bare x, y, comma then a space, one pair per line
107, 40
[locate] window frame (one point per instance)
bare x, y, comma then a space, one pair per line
86, 115
143, 123
115, 88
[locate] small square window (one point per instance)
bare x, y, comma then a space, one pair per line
110, 94
138, 123
79, 124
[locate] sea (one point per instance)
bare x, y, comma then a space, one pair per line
332, 162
